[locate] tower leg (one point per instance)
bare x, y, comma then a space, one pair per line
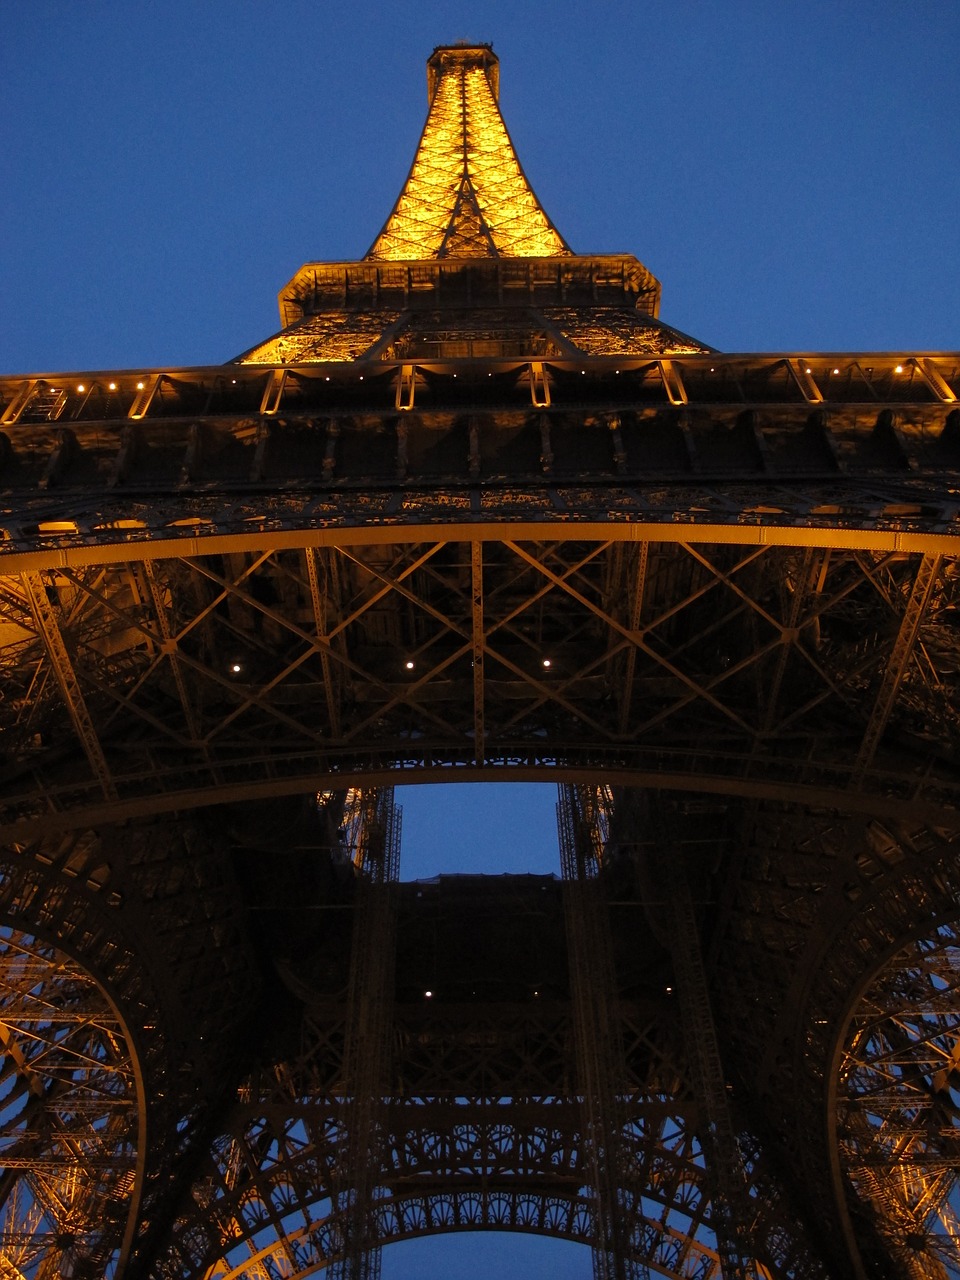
376, 857
732, 1213
581, 819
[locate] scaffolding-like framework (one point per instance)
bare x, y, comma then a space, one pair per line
474, 513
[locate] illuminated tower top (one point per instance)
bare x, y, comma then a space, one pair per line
468, 265
466, 195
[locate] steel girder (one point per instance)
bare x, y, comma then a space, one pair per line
829, 920
72, 1123
298, 455
134, 944
716, 576
812, 910
819, 675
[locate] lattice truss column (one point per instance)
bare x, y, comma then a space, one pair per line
840, 1004
605, 839
252, 1212
479, 1129
582, 819
373, 830
757, 1226
117, 945
72, 1117
734, 1213
762, 670
508, 1158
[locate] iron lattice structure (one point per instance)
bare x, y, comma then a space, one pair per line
476, 512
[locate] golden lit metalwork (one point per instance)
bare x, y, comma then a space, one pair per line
468, 263
898, 1101
466, 195
71, 1127
477, 513
341, 337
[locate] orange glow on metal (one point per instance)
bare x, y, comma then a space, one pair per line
466, 195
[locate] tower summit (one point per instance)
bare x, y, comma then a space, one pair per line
466, 195
468, 264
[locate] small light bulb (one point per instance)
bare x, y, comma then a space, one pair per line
898, 369
836, 371
81, 387
236, 668
139, 386
547, 662
809, 371
409, 665
428, 994
112, 386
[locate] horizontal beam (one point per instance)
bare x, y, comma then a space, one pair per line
72, 553
810, 796
832, 371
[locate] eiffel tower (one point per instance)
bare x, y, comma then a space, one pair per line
475, 513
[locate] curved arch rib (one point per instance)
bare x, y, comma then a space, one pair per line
71, 1118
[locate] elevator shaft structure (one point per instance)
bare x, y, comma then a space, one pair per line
366, 1054
476, 512
582, 816
728, 1185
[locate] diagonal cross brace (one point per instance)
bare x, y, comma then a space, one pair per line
477, 641
897, 664
46, 621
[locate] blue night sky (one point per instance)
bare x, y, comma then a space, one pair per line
790, 171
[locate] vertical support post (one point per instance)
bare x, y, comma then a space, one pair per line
319, 596
582, 813
731, 1218
366, 1058
58, 655
672, 382
273, 392
168, 646
476, 596
539, 385
809, 566
406, 387
897, 664
636, 609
